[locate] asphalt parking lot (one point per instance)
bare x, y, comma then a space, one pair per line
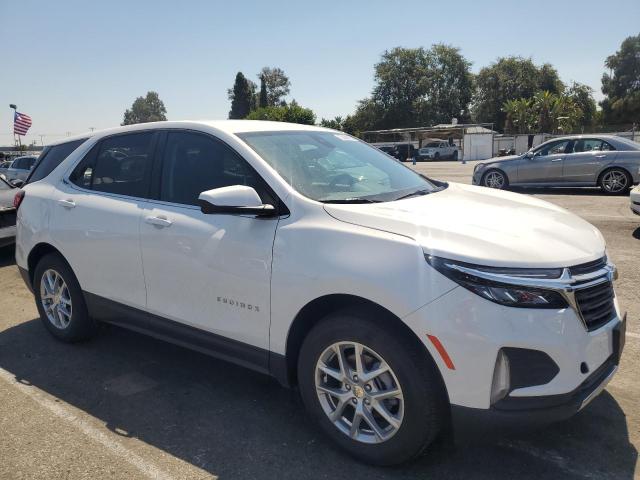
127, 406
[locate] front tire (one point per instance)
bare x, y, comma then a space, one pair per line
375, 394
615, 181
455, 155
495, 179
60, 301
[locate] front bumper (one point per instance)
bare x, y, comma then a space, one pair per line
518, 412
473, 331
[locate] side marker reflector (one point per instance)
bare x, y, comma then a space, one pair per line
441, 350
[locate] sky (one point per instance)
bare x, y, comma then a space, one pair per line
75, 65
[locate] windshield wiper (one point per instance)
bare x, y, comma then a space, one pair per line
413, 194
351, 200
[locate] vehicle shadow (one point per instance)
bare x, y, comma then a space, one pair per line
636, 233
235, 423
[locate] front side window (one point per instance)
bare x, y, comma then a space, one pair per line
194, 163
553, 148
334, 167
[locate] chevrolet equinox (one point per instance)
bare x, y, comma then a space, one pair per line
393, 302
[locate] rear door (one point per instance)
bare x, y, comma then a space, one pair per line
96, 213
546, 164
588, 157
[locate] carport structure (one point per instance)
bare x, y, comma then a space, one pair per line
474, 140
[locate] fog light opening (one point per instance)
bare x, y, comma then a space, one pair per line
501, 378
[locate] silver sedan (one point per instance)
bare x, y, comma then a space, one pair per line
607, 161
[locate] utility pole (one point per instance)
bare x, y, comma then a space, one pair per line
92, 128
41, 141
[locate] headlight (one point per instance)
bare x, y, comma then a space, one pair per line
502, 287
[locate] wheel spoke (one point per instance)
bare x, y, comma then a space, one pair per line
342, 361
337, 413
332, 372
334, 392
368, 418
358, 354
385, 394
368, 376
386, 414
355, 423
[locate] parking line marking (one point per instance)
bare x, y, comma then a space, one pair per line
42, 398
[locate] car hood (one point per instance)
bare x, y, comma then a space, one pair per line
483, 226
506, 158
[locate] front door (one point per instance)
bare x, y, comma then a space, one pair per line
546, 164
211, 271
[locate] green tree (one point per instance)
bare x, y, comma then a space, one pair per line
263, 101
448, 86
242, 97
520, 115
145, 109
335, 123
622, 87
510, 78
582, 96
292, 113
401, 81
276, 83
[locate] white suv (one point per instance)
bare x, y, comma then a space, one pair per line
390, 300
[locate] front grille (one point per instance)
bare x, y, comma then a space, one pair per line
588, 267
596, 304
7, 218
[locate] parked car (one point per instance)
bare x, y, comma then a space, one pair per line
7, 213
634, 200
4, 166
19, 170
607, 161
437, 151
404, 152
392, 301
389, 150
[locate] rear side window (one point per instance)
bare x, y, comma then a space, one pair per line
120, 165
51, 157
194, 163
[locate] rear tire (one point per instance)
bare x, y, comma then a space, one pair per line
417, 414
455, 155
615, 181
436, 156
60, 301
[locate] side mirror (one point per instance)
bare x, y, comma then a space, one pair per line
234, 200
18, 183
529, 155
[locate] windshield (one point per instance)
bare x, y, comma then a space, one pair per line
432, 145
335, 167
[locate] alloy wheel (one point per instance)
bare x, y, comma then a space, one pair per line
56, 299
615, 181
359, 392
494, 180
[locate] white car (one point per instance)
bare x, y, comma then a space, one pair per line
634, 200
438, 150
7, 213
391, 301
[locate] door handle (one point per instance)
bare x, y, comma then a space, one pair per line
68, 203
159, 221
557, 159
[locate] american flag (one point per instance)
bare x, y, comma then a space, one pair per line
21, 123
